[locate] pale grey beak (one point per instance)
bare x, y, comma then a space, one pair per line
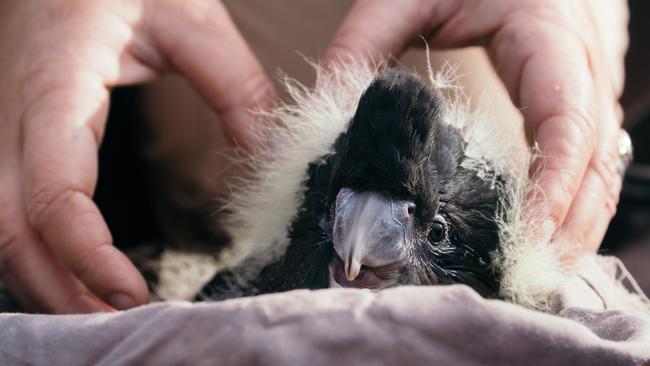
370, 230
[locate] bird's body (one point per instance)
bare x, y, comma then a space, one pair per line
377, 178
398, 153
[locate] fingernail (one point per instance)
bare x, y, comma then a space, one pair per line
548, 229
121, 301
89, 303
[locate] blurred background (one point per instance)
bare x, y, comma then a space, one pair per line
158, 172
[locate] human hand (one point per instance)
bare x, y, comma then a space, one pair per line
562, 63
59, 61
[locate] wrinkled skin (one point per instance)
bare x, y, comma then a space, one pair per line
59, 61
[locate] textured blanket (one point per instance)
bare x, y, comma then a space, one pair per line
446, 325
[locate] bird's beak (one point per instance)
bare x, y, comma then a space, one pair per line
370, 230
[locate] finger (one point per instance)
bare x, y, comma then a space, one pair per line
28, 268
547, 71
359, 38
202, 43
551, 67
593, 208
60, 170
40, 283
376, 29
588, 218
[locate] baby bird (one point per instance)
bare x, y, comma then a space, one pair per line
393, 202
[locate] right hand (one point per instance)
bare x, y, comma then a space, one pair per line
59, 61
562, 63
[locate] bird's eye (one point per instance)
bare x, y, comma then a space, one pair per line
438, 231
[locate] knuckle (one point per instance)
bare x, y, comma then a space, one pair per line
607, 183
48, 71
557, 183
45, 203
560, 195
87, 267
559, 161
200, 12
254, 90
8, 250
9, 238
569, 156
423, 11
257, 88
584, 123
44, 74
54, 88
340, 49
572, 125
347, 45
611, 207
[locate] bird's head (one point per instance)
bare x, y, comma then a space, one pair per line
401, 208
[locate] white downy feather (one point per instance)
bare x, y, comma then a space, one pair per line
262, 206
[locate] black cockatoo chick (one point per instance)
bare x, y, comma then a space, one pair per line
377, 178
392, 205
400, 208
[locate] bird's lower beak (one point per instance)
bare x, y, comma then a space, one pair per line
370, 230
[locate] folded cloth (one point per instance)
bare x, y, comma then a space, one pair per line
442, 325
599, 283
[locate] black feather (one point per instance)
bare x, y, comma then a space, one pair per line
398, 146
